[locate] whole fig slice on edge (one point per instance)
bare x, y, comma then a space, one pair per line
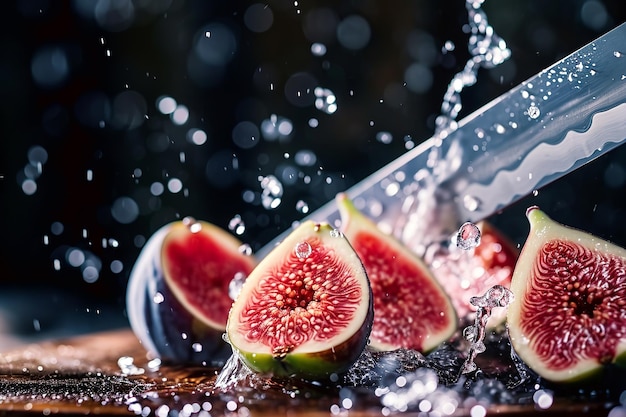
306, 309
568, 318
177, 297
411, 309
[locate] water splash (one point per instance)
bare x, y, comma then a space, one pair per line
128, 367
496, 296
487, 50
236, 284
233, 371
272, 191
427, 213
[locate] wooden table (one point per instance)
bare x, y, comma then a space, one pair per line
82, 376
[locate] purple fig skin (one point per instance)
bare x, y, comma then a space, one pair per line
567, 320
164, 325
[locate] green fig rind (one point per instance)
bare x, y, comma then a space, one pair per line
543, 230
310, 360
418, 330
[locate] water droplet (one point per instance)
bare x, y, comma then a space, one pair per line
543, 398
533, 112
617, 54
158, 298
325, 100
302, 207
197, 347
471, 203
336, 233
246, 249
127, 366
384, 137
236, 284
193, 225
318, 49
303, 250
468, 236
237, 225
272, 193
154, 364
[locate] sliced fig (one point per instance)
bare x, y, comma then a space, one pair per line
177, 297
469, 273
306, 309
411, 308
568, 318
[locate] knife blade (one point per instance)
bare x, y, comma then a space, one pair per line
551, 124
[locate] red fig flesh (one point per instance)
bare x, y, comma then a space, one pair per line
411, 310
568, 319
306, 308
199, 262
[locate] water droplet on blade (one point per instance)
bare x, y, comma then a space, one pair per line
533, 112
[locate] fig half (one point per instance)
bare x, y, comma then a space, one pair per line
568, 318
177, 297
306, 309
411, 308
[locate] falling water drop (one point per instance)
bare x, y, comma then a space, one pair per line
192, 224
246, 249
237, 225
302, 207
468, 236
272, 193
235, 285
303, 250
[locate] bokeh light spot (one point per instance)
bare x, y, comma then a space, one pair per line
354, 32
166, 105
246, 135
299, 89
180, 115
418, 78
50, 66
258, 17
125, 210
197, 136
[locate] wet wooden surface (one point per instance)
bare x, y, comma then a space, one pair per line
82, 376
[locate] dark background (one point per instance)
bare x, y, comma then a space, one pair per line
81, 79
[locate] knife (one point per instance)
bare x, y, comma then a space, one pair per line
551, 124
